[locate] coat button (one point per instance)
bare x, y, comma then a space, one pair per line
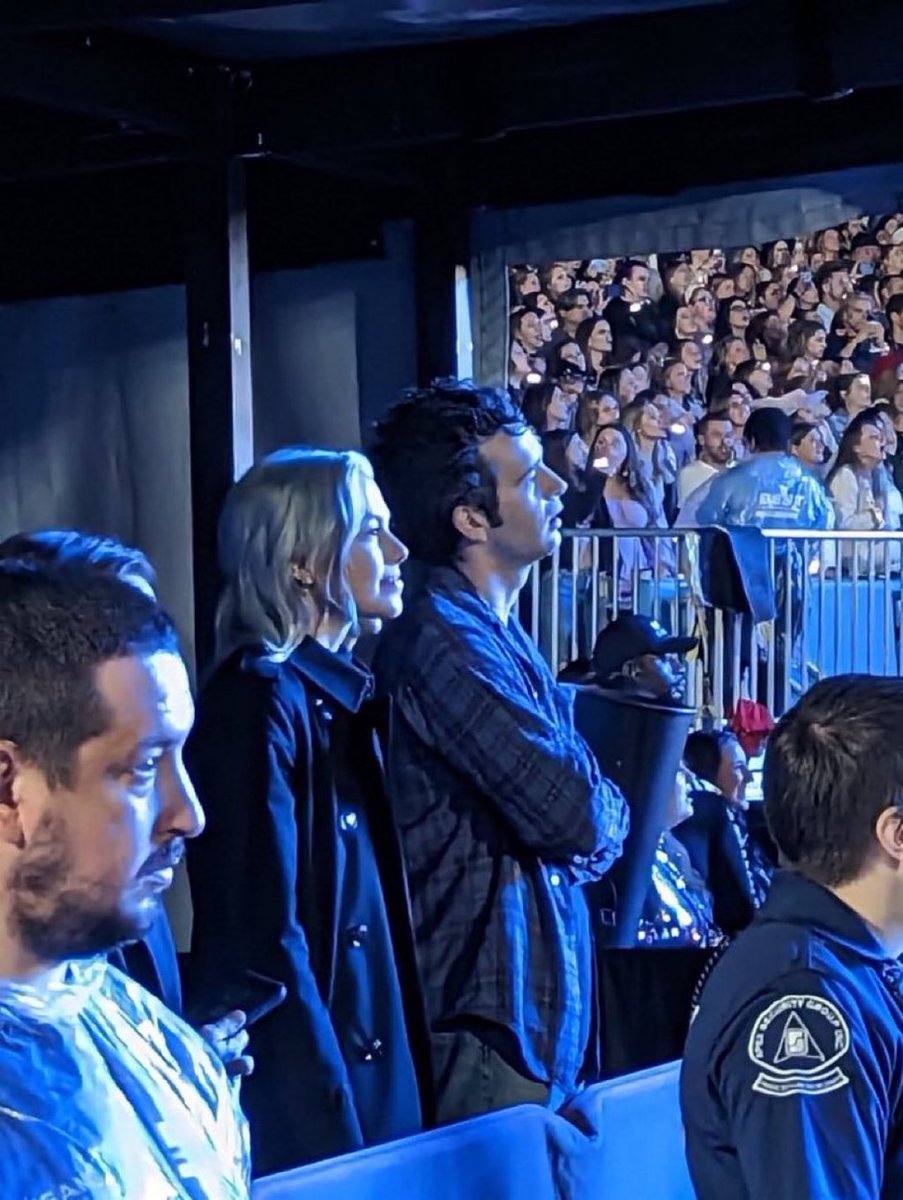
357, 934
373, 1051
348, 820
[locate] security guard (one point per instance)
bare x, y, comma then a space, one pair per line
792, 1082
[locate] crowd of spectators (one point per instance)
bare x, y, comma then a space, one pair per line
642, 375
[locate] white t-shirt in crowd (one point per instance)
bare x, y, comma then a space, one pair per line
692, 476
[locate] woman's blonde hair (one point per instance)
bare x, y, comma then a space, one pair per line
284, 536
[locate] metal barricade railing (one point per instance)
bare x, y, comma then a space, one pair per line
836, 602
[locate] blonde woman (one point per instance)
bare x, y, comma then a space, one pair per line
299, 876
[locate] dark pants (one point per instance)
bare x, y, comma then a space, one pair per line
472, 1078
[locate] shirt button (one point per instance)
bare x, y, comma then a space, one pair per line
348, 821
373, 1051
555, 879
357, 934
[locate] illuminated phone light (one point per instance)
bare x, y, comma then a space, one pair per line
600, 464
678, 428
815, 566
534, 377
707, 339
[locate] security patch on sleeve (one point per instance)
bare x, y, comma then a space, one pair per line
796, 1044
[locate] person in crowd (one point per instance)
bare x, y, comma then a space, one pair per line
553, 405
622, 382
733, 319
481, 738
540, 304
888, 362
527, 341
728, 354
757, 377
105, 1092
865, 253
714, 446
524, 283
679, 912
677, 277
629, 501
595, 411
855, 339
894, 411
859, 483
594, 339
854, 395
744, 276
299, 877
804, 291
631, 314
681, 410
572, 308
717, 836
790, 1084
556, 280
806, 345
737, 406
635, 655
684, 327
770, 488
643, 422
807, 443
833, 284
702, 302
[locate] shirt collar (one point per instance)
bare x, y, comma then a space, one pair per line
801, 901
334, 673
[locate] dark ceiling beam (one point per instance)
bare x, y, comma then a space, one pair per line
86, 80
43, 157
602, 71
484, 90
40, 16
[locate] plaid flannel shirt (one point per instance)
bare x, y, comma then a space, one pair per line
503, 814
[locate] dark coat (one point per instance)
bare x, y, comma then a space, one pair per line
299, 877
716, 855
152, 962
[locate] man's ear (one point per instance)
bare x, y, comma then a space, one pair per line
10, 774
470, 523
889, 832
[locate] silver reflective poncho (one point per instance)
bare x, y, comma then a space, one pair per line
770, 491
105, 1093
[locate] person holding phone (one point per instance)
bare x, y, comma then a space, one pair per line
150, 959
299, 878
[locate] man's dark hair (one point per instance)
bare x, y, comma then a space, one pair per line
626, 268
703, 751
73, 546
743, 372
768, 429
427, 461
824, 273
58, 624
708, 419
833, 764
894, 304
570, 299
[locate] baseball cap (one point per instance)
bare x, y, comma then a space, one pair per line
631, 636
